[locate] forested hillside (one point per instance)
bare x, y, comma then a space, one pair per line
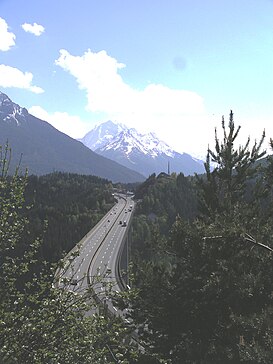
201, 284
161, 199
64, 207
203, 293
42, 322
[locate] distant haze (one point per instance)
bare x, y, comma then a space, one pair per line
144, 153
172, 67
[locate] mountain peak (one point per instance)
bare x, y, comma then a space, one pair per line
11, 112
115, 136
101, 134
43, 149
145, 153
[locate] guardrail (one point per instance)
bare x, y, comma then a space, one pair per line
118, 271
94, 255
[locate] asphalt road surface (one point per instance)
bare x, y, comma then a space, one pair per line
94, 261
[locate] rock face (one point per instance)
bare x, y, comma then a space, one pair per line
43, 149
144, 153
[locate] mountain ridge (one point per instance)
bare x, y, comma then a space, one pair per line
145, 153
44, 149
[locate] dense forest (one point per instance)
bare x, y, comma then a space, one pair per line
63, 207
201, 272
204, 295
161, 200
41, 323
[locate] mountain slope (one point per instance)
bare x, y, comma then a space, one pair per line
144, 153
102, 134
44, 149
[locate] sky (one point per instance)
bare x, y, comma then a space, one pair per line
173, 67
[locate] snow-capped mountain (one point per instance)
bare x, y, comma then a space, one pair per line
102, 134
43, 149
144, 153
11, 112
129, 141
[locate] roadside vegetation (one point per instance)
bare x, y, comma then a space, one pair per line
204, 288
41, 322
201, 271
64, 207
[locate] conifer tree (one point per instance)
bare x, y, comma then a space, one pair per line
40, 322
228, 170
215, 304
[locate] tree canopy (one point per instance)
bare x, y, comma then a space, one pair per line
41, 322
207, 297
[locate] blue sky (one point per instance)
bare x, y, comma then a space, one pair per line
173, 67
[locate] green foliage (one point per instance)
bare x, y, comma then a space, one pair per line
166, 196
212, 302
222, 291
70, 204
162, 199
226, 184
41, 322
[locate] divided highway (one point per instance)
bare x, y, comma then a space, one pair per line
97, 254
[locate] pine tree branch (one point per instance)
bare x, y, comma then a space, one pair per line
247, 238
251, 240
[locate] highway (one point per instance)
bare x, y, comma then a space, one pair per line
94, 261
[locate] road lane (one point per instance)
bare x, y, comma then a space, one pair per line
98, 252
107, 257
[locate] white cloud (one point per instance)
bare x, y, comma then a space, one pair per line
34, 28
174, 114
68, 124
7, 39
13, 77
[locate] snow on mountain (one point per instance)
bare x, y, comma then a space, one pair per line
102, 134
144, 153
110, 135
130, 140
11, 112
40, 148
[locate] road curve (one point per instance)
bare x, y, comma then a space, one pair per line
95, 259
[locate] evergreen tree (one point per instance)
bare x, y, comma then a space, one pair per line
41, 322
214, 305
225, 186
